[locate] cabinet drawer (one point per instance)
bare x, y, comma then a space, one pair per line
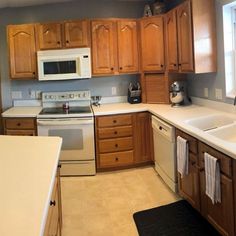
115, 145
192, 142
115, 132
225, 161
116, 159
111, 121
19, 123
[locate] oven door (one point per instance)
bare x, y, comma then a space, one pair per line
77, 135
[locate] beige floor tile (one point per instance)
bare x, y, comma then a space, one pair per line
104, 204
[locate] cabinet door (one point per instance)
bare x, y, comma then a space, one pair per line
171, 41
49, 36
185, 40
76, 34
152, 43
127, 46
221, 215
143, 137
104, 47
189, 185
22, 51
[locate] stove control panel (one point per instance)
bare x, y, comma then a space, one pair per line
66, 96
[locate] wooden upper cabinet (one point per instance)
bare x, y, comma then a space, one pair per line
196, 41
49, 36
128, 46
104, 47
185, 40
171, 41
76, 33
152, 43
22, 51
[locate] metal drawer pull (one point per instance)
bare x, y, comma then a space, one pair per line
116, 145
114, 121
117, 159
115, 132
18, 124
53, 203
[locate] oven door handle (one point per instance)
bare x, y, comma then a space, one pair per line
64, 122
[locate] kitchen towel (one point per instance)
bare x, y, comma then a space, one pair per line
182, 156
212, 172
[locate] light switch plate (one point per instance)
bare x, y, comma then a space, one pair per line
206, 93
113, 91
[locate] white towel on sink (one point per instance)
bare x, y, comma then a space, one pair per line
212, 172
182, 156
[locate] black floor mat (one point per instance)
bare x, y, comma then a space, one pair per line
175, 219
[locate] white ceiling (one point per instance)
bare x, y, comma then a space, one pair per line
21, 3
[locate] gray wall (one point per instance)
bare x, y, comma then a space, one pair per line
212, 81
56, 12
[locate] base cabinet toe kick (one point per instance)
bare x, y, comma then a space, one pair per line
192, 187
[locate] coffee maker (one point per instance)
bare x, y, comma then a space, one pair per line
178, 94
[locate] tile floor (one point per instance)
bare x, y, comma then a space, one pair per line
103, 205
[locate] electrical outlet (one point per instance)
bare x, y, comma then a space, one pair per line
113, 91
16, 94
218, 94
206, 93
32, 94
38, 94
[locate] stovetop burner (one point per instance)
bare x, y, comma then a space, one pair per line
61, 111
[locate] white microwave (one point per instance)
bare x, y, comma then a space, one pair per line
64, 64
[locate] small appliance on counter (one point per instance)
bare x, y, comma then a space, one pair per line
178, 94
134, 93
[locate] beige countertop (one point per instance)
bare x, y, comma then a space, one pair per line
174, 116
22, 112
28, 168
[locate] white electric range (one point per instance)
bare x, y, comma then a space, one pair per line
69, 115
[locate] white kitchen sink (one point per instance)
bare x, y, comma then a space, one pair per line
210, 122
227, 133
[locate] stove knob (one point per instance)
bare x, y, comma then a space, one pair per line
71, 96
78, 95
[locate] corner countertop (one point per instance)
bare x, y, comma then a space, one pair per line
177, 118
28, 167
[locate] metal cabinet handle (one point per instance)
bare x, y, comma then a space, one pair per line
18, 124
53, 203
116, 145
117, 159
115, 132
58, 42
114, 121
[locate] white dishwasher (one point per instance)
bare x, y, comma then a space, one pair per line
165, 152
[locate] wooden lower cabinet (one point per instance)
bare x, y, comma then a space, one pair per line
220, 215
143, 137
189, 184
54, 219
193, 186
123, 140
20, 126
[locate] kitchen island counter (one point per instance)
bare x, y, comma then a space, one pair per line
28, 166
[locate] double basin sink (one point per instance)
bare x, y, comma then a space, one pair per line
218, 125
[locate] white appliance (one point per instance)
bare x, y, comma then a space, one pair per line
164, 152
69, 115
64, 64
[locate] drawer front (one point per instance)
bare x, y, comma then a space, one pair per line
225, 161
112, 121
20, 123
115, 132
116, 159
115, 145
192, 142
